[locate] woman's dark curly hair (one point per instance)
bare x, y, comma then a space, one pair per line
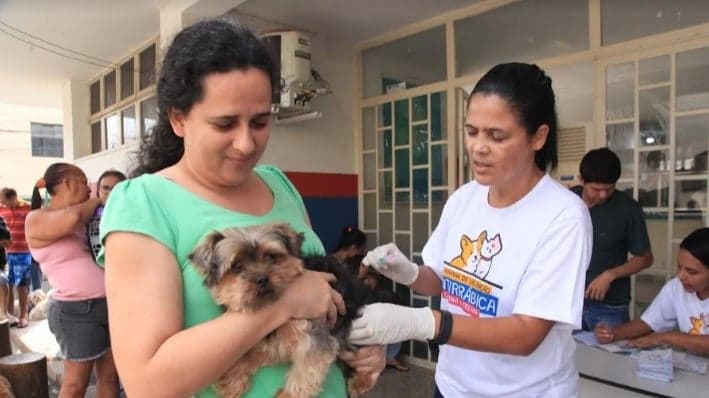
212, 46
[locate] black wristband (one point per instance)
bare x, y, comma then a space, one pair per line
444, 333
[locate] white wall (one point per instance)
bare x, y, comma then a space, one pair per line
322, 145
118, 159
326, 144
18, 169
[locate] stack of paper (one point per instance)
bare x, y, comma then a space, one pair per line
690, 363
655, 365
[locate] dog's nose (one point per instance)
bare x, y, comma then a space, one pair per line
262, 281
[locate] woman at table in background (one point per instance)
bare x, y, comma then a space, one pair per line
682, 303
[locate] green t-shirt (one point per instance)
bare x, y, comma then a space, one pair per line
158, 207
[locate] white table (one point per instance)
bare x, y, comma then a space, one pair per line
619, 371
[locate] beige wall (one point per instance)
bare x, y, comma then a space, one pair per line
327, 144
18, 169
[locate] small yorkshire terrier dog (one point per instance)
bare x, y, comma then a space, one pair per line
247, 268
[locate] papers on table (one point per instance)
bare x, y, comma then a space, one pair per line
655, 365
679, 359
617, 347
690, 363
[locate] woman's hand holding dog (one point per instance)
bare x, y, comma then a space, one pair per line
312, 297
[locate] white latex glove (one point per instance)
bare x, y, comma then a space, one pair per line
389, 261
384, 323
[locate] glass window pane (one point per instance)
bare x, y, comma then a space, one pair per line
385, 190
438, 200
95, 94
420, 231
573, 87
372, 240
438, 116
369, 165
420, 181
109, 89
147, 67
653, 179
384, 115
401, 118
632, 19
402, 168
692, 143
368, 130
130, 130
439, 163
654, 116
522, 31
619, 138
148, 115
127, 73
419, 144
385, 149
691, 199
403, 243
386, 228
620, 91
654, 70
113, 131
96, 145
419, 107
403, 210
692, 83
405, 63
370, 211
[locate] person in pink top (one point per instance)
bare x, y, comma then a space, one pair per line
78, 317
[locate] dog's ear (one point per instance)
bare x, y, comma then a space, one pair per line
204, 258
291, 239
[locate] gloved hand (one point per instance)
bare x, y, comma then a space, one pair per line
383, 323
389, 261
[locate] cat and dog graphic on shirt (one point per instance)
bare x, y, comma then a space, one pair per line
476, 255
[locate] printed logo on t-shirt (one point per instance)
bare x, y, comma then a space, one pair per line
465, 283
476, 255
700, 324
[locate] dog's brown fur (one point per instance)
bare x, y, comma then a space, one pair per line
247, 268
5, 388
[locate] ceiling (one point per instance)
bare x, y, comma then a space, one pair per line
349, 20
104, 29
108, 30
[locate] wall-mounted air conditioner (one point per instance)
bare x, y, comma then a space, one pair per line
299, 84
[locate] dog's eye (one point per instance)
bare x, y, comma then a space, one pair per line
272, 258
235, 266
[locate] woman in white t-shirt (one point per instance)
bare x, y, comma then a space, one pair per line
508, 257
683, 303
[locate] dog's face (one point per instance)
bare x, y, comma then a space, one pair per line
36, 296
246, 268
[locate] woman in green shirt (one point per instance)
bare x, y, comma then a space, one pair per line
197, 173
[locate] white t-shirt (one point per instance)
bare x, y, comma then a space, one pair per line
675, 307
528, 258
